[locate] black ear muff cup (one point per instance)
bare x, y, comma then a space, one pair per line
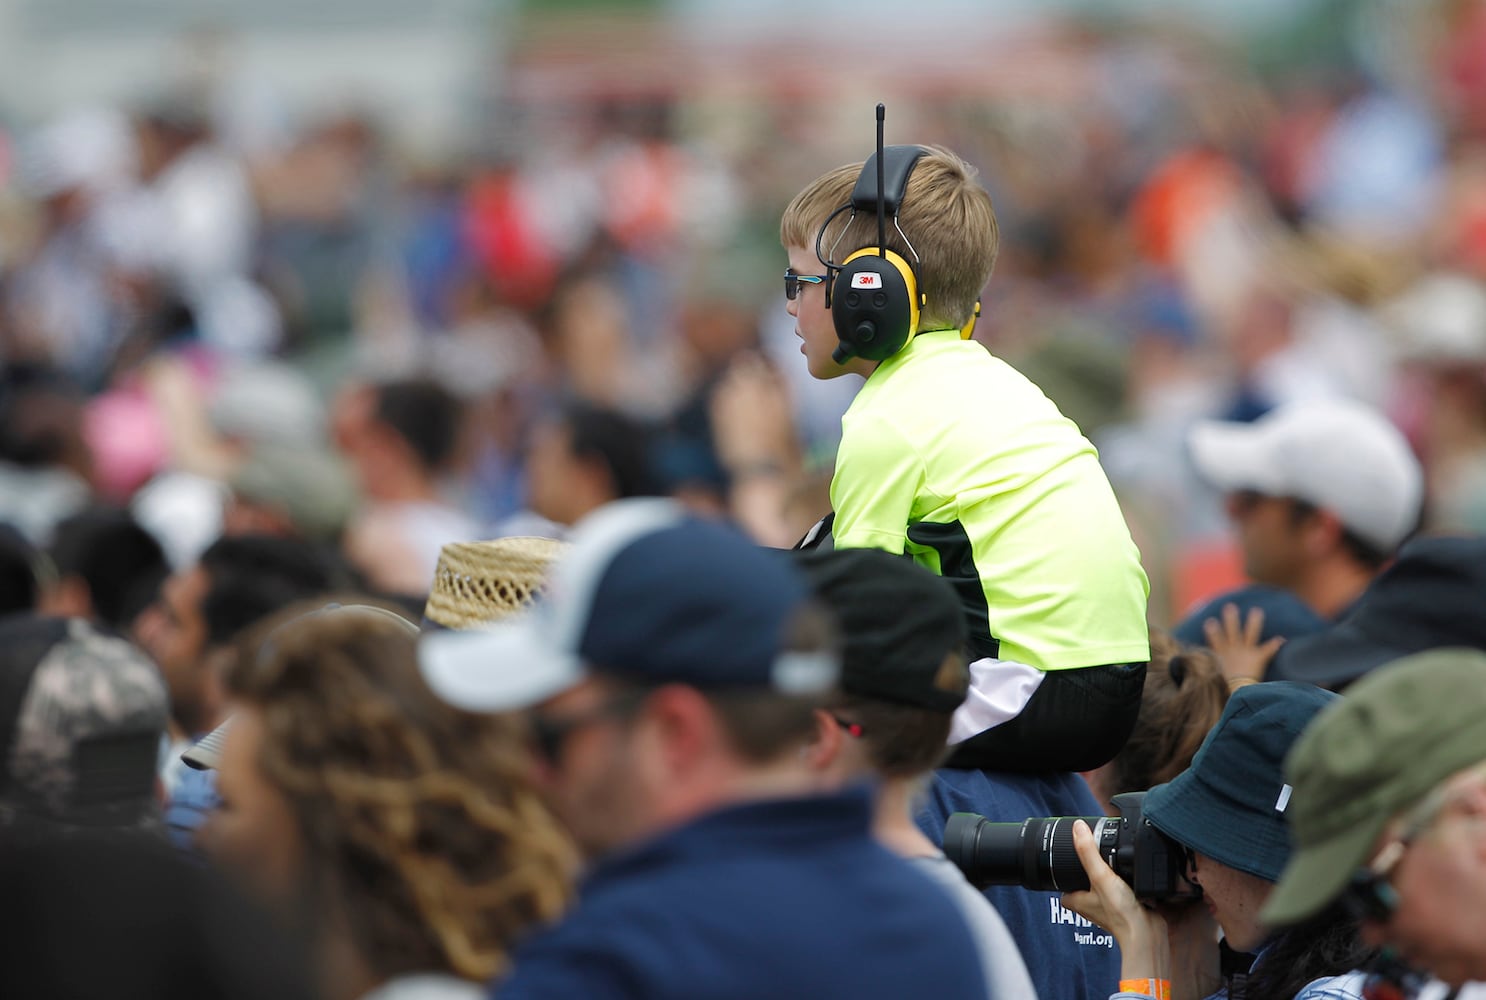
872, 305
873, 294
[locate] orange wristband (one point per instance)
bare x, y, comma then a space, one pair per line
1158, 988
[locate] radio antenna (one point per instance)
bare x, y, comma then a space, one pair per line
881, 193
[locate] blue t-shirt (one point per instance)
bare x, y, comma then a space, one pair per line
786, 899
1069, 957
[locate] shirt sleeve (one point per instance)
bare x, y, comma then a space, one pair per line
879, 476
1344, 987
194, 800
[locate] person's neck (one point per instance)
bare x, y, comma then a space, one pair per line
401, 485
684, 803
892, 820
1333, 586
344, 973
200, 722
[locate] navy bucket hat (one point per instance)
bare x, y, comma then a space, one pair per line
1230, 804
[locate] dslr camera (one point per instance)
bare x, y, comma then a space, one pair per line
1038, 853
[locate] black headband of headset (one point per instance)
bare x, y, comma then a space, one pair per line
897, 164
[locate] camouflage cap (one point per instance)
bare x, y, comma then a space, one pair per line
82, 713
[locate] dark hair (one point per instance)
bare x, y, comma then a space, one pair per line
40, 408
902, 741
424, 414
618, 442
1328, 944
1182, 700
1364, 552
122, 563
251, 576
764, 724
19, 586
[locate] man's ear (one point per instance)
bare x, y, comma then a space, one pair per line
677, 721
1323, 532
825, 747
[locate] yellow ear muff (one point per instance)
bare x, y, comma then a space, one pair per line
887, 289
968, 330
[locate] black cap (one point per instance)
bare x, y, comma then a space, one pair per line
898, 623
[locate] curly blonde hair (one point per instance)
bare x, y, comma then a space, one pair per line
422, 831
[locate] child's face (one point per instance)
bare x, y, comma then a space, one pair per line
813, 323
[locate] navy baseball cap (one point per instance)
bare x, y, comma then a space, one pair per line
1230, 803
648, 593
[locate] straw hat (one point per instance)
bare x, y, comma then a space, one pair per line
476, 583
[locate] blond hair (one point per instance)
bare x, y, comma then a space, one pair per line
421, 827
946, 215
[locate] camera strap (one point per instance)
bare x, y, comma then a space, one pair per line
1234, 967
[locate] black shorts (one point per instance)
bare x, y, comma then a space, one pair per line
1076, 720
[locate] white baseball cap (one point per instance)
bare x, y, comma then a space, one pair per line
1338, 455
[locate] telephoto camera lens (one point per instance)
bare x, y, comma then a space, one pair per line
1034, 854
1038, 853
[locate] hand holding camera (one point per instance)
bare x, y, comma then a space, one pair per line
1109, 901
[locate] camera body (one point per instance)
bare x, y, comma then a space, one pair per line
1038, 853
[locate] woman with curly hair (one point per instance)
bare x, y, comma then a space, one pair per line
401, 834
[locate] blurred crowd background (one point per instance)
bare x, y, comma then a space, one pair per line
336, 263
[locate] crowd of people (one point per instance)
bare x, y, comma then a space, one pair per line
434, 585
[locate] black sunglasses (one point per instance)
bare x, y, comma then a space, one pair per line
1369, 896
550, 734
792, 282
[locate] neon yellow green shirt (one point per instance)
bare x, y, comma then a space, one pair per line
951, 455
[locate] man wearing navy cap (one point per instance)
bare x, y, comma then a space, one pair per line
671, 675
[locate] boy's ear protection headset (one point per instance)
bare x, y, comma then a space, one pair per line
873, 294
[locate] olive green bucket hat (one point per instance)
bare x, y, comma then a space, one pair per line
1398, 733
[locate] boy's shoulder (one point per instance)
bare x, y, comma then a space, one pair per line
943, 354
960, 377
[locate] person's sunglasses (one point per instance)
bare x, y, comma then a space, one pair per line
792, 282
549, 734
1370, 895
